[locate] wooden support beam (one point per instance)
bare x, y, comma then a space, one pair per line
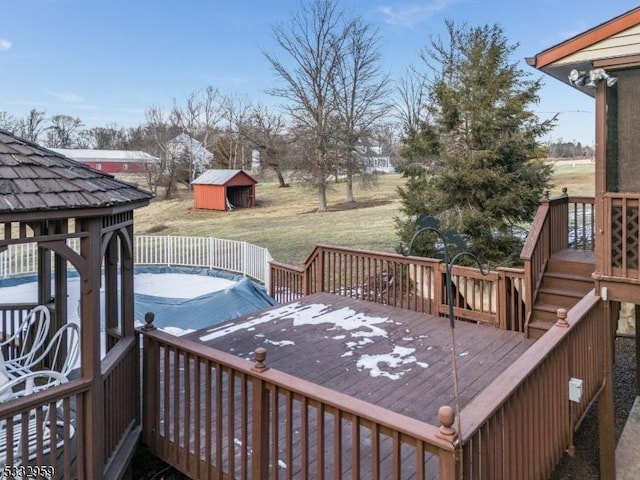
637, 328
606, 406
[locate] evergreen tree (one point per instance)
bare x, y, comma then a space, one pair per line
487, 180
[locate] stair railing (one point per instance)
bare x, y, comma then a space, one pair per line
549, 234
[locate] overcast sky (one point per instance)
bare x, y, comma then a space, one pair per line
105, 61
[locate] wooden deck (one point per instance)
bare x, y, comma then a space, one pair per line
396, 359
575, 255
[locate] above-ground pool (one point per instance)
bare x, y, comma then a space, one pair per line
182, 299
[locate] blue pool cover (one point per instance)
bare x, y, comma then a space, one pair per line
242, 298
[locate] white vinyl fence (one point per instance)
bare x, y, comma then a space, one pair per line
215, 253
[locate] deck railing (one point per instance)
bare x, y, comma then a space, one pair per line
287, 282
621, 252
560, 222
207, 411
215, 415
581, 233
122, 417
120, 378
62, 455
525, 415
206, 252
412, 283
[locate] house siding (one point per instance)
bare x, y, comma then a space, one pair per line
116, 167
621, 44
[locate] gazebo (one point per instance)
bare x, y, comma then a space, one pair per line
81, 222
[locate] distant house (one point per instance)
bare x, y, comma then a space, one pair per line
199, 156
110, 161
380, 164
373, 160
224, 190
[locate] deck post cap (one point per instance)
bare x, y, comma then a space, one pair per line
260, 355
149, 317
446, 416
562, 318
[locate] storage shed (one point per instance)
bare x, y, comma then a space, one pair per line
224, 190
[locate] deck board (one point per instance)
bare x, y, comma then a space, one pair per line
322, 352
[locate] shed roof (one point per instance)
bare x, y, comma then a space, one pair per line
35, 178
86, 154
220, 177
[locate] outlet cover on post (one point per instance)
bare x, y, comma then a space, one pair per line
575, 390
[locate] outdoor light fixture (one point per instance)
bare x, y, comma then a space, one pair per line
577, 78
580, 78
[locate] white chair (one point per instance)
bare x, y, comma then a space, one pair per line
65, 342
38, 432
25, 342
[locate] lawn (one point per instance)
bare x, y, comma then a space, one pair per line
286, 222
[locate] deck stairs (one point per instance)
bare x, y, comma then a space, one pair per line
567, 278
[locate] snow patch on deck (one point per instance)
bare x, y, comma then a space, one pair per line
357, 324
353, 329
399, 357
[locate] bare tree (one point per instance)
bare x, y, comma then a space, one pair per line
360, 88
8, 122
236, 110
63, 131
411, 107
197, 118
109, 137
312, 44
268, 133
159, 130
32, 126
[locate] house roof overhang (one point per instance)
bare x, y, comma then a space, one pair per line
580, 52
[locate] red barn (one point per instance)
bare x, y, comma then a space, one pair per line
224, 190
110, 161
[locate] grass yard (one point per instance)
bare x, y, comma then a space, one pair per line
285, 220
577, 177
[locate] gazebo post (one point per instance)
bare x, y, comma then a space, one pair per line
90, 250
126, 279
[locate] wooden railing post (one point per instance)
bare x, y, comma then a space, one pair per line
320, 271
260, 419
606, 403
272, 280
449, 465
305, 281
150, 386
501, 301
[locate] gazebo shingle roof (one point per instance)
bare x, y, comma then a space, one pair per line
35, 178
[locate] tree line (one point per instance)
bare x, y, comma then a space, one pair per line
561, 149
